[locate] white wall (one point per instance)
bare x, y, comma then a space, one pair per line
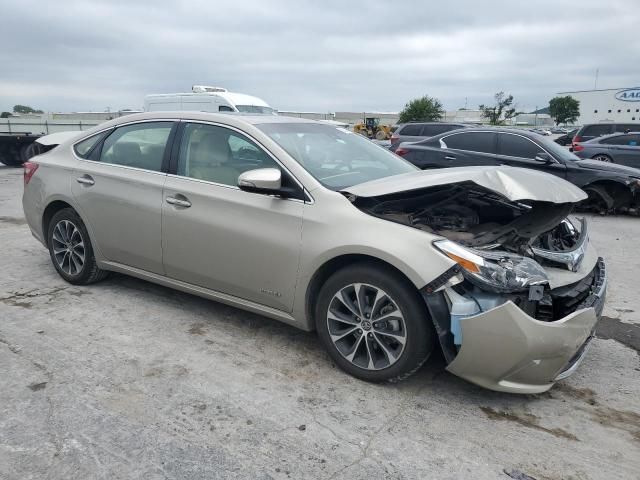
603, 106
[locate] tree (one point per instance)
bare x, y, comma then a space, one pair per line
5, 114
424, 109
25, 109
499, 113
564, 109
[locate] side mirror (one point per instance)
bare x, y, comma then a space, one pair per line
261, 180
543, 157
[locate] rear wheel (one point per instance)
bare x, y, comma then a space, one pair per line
71, 250
601, 157
373, 323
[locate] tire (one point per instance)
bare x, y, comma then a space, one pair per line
374, 354
70, 249
601, 157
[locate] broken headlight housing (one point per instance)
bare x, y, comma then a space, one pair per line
494, 270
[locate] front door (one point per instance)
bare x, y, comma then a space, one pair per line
220, 237
119, 193
519, 151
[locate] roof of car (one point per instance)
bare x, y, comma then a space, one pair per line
519, 131
192, 115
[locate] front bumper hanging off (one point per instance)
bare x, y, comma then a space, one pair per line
507, 350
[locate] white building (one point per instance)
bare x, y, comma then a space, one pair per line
620, 105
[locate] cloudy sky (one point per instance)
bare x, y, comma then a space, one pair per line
323, 55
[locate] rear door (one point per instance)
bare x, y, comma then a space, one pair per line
519, 151
624, 149
223, 238
118, 188
464, 149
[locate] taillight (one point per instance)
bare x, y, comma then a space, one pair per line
394, 138
576, 147
29, 169
401, 151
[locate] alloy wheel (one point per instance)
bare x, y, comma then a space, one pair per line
68, 247
602, 158
366, 326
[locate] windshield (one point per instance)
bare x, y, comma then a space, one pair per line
336, 157
558, 151
256, 109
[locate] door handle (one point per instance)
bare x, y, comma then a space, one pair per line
178, 202
85, 180
449, 157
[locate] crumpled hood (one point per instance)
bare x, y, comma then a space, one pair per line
609, 167
512, 183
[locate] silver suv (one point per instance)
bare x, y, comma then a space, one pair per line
416, 131
317, 227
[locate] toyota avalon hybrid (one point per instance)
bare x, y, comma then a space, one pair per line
318, 227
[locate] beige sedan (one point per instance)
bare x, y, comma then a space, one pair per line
320, 228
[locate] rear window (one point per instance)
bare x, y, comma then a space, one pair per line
83, 148
631, 140
626, 127
432, 130
413, 130
483, 142
596, 130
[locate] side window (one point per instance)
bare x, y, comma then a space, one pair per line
411, 129
140, 145
634, 140
625, 127
617, 140
596, 130
225, 108
517, 146
218, 154
483, 142
83, 148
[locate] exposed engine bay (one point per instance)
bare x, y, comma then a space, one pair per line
474, 216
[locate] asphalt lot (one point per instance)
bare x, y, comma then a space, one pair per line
126, 379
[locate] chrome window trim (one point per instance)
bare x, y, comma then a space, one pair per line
261, 145
444, 145
113, 127
555, 160
305, 191
442, 142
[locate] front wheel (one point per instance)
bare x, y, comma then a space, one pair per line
373, 323
71, 250
601, 157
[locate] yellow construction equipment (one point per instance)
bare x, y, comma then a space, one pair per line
371, 128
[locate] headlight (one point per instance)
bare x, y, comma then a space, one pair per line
502, 271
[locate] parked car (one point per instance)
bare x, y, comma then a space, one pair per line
620, 148
318, 227
567, 138
415, 131
558, 130
593, 130
610, 187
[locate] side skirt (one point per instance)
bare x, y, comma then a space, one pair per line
203, 292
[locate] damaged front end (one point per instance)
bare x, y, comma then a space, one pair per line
519, 305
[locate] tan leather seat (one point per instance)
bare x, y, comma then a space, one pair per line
210, 160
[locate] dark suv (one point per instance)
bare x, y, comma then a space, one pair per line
413, 132
593, 130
